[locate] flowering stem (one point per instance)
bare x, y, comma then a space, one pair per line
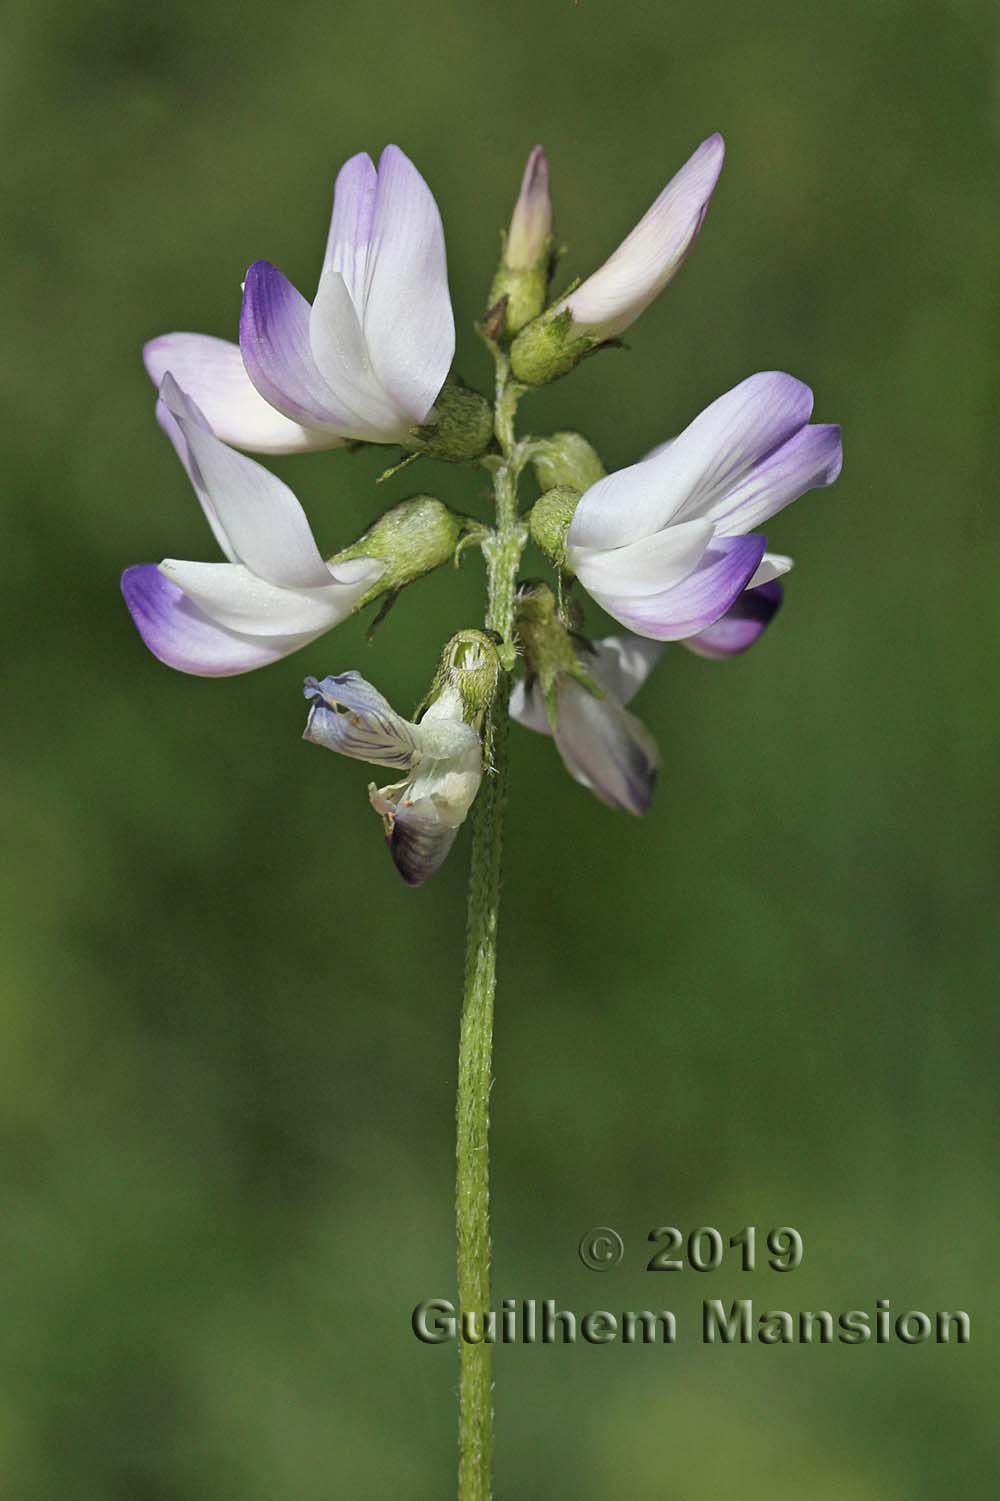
502, 550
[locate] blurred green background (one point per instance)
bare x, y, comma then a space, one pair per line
228, 1030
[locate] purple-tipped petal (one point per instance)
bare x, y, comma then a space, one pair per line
699, 600
712, 456
182, 637
407, 318
212, 372
274, 341
743, 623
808, 461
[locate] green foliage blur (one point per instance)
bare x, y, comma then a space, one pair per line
228, 1029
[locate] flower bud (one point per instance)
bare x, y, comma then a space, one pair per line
411, 539
566, 459
460, 428
528, 250
549, 519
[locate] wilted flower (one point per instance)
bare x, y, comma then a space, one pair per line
604, 305
602, 745
367, 359
440, 758
669, 544
276, 592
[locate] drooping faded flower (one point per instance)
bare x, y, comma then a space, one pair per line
275, 594
668, 545
603, 746
366, 359
609, 300
440, 759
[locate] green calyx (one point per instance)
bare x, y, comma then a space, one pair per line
551, 647
461, 429
548, 348
411, 539
549, 519
566, 459
467, 676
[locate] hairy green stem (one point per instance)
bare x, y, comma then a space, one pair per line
472, 1195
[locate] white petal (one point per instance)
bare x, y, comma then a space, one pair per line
266, 527
527, 706
407, 319
239, 600
341, 353
606, 749
644, 567
772, 565
623, 663
213, 374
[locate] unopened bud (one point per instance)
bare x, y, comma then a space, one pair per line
528, 250
461, 426
412, 539
549, 519
566, 459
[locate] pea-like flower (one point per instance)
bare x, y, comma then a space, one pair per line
609, 300
647, 259
668, 545
440, 758
366, 359
275, 594
603, 746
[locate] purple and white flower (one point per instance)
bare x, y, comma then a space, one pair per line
613, 297
668, 545
440, 757
602, 745
275, 594
365, 360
